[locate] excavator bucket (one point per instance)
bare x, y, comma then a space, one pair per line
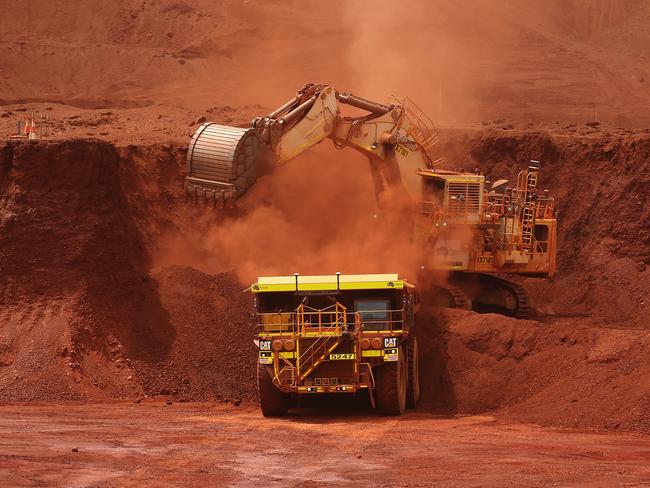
223, 162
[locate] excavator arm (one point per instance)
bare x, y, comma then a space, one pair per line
223, 162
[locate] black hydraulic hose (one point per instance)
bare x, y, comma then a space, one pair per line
298, 111
362, 103
284, 107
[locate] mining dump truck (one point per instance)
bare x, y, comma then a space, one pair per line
336, 334
467, 227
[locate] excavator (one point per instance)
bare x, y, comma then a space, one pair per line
471, 231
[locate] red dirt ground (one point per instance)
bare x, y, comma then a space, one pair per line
119, 444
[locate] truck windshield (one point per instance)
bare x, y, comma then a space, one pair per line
374, 313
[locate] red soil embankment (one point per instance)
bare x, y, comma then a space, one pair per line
82, 315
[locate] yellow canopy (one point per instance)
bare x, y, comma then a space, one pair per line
328, 282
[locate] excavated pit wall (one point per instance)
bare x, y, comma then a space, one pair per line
83, 313
86, 314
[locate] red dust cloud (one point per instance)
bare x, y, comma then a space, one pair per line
316, 214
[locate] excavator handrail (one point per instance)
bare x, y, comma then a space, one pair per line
421, 121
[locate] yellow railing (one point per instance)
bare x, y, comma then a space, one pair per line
394, 320
329, 321
277, 322
545, 208
422, 128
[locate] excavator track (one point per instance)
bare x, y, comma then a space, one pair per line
476, 291
493, 294
459, 297
523, 308
449, 296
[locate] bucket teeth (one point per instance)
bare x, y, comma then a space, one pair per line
216, 198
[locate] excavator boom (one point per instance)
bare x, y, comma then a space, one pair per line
223, 162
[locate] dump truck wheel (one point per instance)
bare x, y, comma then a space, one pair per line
273, 402
413, 370
390, 386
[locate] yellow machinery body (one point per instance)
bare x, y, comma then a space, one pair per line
336, 334
323, 334
464, 227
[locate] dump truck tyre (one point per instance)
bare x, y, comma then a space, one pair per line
390, 386
273, 402
413, 370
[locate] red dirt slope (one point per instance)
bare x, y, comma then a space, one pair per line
566, 372
82, 315
566, 60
